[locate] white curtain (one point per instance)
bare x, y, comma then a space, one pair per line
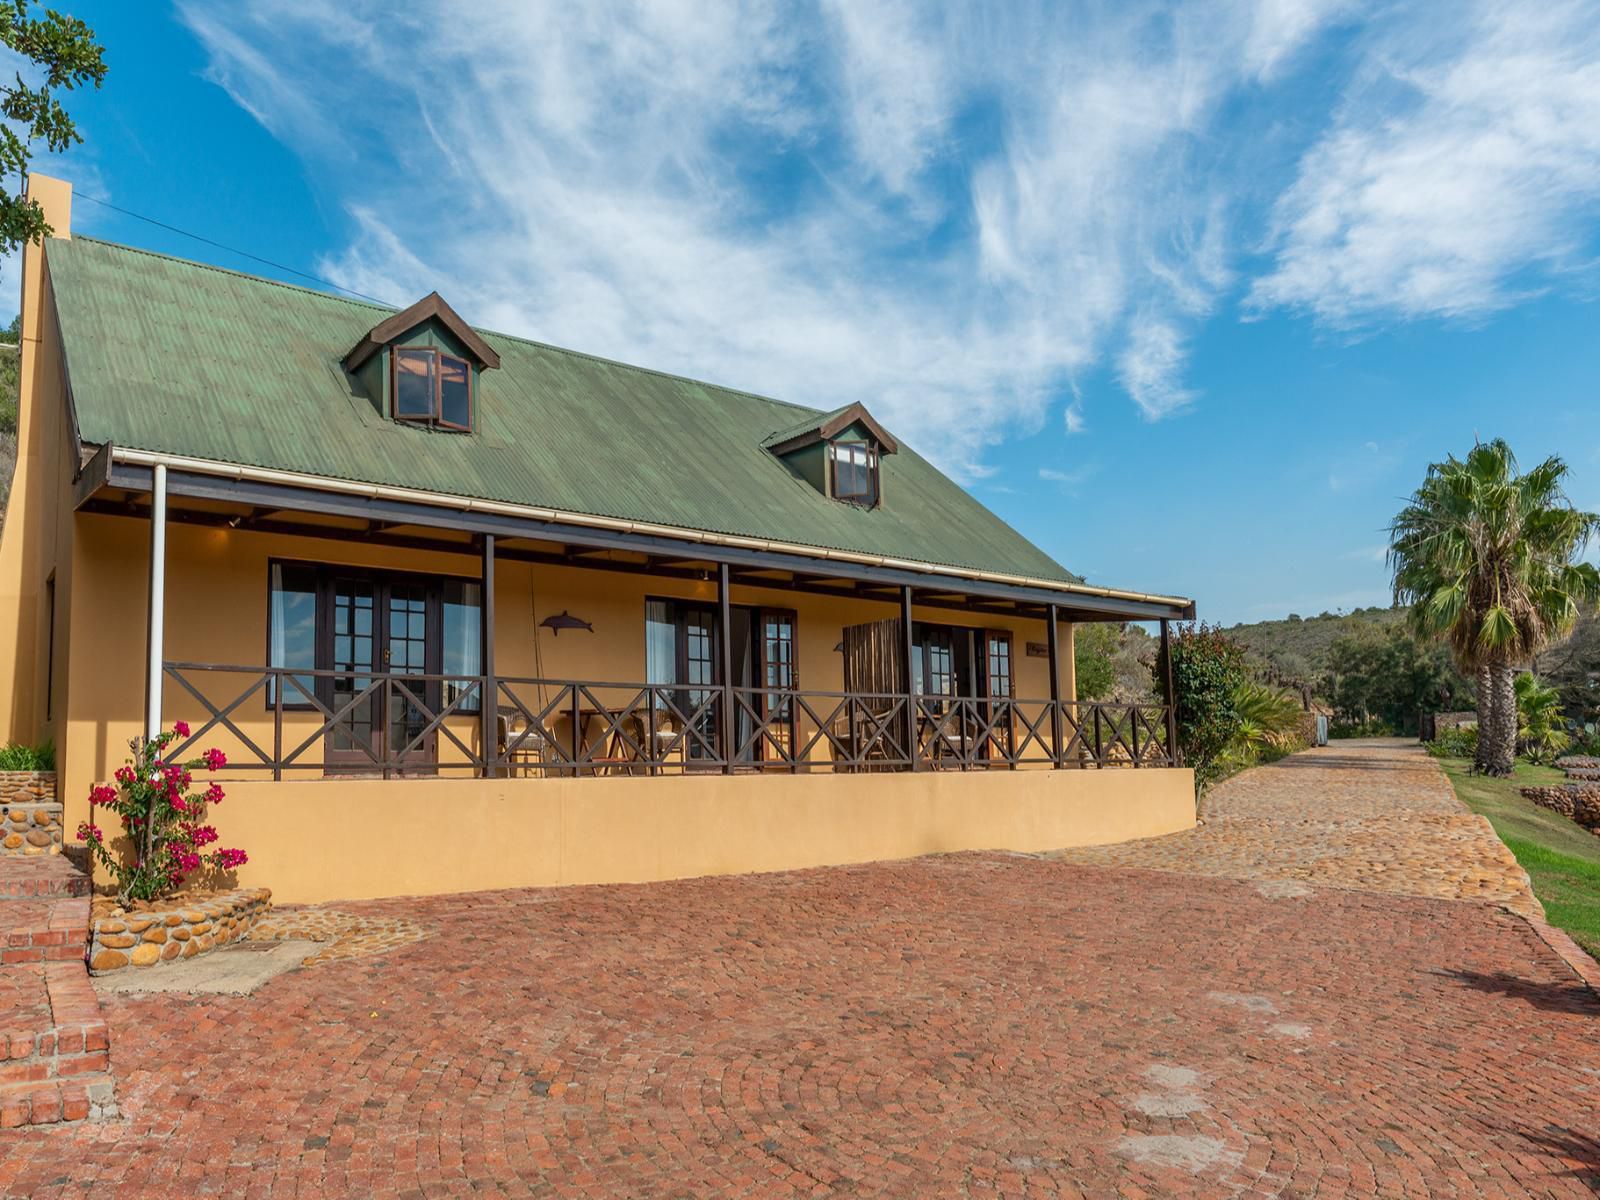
660, 643
275, 639
463, 647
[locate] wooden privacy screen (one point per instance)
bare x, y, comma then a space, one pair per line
874, 657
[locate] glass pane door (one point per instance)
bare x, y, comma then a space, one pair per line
698, 669
777, 675
356, 737
406, 653
377, 627
939, 663
999, 684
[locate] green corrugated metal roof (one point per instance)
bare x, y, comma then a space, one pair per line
177, 357
811, 420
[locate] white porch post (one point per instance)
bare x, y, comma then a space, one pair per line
158, 599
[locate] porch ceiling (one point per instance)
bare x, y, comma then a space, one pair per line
249, 505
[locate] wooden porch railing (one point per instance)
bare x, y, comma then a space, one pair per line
282, 719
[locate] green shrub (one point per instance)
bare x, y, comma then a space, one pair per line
1371, 727
15, 757
1541, 728
1460, 742
1585, 742
1208, 676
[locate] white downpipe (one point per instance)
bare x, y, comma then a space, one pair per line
158, 599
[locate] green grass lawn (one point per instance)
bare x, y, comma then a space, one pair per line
1560, 856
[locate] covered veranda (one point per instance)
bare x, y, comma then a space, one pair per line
482, 715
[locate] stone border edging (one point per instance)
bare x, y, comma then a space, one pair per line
1574, 955
30, 813
120, 940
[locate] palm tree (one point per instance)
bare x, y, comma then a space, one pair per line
1486, 556
1539, 720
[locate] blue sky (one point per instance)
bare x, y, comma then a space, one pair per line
1191, 295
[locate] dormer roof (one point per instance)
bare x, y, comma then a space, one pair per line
823, 427
430, 307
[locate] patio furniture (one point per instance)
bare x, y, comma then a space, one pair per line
523, 746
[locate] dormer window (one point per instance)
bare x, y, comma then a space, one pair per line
422, 367
855, 472
432, 387
839, 453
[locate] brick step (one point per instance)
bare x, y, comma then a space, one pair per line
55, 1047
43, 929
57, 1052
35, 878
56, 1101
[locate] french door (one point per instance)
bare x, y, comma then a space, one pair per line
381, 626
683, 652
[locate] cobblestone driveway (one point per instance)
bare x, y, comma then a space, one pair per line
967, 1025
1378, 815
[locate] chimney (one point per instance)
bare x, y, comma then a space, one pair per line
55, 198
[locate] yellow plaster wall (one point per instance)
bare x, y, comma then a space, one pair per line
217, 612
34, 540
355, 839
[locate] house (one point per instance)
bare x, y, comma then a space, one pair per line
465, 611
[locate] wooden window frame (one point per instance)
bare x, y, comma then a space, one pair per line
874, 469
679, 606
990, 638
435, 418
322, 636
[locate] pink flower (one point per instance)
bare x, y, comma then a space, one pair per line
88, 830
214, 759
126, 775
228, 859
202, 835
182, 858
214, 794
181, 728
102, 795
177, 802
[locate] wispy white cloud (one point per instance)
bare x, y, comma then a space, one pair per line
1069, 481
1283, 27
947, 214
1151, 368
1463, 171
897, 92
951, 214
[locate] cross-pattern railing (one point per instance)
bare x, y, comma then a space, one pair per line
282, 719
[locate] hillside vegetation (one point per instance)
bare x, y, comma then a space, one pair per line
1298, 647
1367, 666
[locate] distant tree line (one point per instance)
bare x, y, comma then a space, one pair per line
1382, 679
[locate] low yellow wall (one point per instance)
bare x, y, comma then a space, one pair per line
354, 839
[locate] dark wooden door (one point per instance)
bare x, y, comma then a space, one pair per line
999, 689
377, 626
775, 648
411, 645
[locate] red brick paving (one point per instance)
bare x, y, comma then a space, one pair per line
977, 1024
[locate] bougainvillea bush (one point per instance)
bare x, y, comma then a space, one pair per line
162, 814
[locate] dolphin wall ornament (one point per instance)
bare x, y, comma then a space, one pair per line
564, 620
